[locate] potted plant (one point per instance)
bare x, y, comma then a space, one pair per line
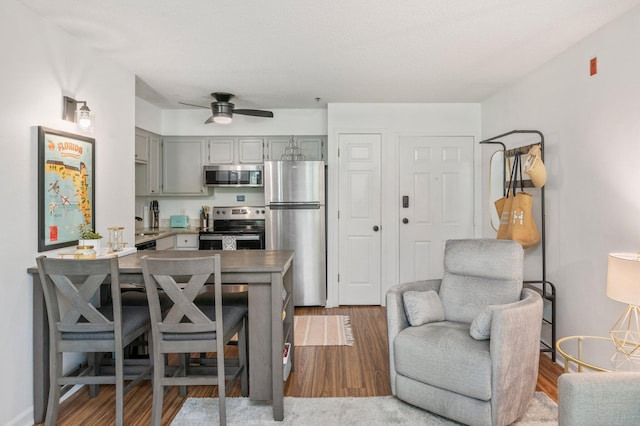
88, 237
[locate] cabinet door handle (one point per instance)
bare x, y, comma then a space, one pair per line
405, 220
376, 228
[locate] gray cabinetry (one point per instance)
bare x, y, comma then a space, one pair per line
235, 150
182, 162
148, 161
312, 147
165, 243
142, 146
221, 150
250, 150
187, 241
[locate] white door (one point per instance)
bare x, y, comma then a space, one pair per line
359, 221
436, 201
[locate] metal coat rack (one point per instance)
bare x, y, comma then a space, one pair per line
546, 288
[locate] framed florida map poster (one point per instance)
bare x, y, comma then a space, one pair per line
66, 187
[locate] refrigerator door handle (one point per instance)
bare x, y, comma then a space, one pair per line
294, 206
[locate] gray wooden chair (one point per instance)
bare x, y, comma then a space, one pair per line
187, 328
76, 325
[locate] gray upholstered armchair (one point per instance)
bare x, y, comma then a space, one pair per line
595, 399
469, 349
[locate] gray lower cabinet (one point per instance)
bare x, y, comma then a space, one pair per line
182, 162
187, 241
165, 243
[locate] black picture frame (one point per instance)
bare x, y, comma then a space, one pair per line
66, 187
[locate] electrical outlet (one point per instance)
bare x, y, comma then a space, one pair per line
593, 66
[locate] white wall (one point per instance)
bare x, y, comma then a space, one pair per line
392, 121
40, 65
592, 130
191, 123
148, 116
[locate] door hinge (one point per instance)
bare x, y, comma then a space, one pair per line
338, 152
338, 277
338, 214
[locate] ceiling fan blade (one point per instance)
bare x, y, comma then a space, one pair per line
209, 120
254, 112
199, 106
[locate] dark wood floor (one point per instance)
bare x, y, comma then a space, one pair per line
320, 371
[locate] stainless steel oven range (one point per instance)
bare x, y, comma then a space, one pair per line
235, 228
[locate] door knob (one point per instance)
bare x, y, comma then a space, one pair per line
405, 220
375, 228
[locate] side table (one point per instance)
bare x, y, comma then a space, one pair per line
595, 353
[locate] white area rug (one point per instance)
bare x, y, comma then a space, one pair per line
322, 330
382, 410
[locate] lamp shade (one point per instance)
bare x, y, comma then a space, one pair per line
623, 278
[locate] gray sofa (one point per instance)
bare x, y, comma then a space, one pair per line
439, 366
611, 399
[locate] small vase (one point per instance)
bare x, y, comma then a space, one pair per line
95, 243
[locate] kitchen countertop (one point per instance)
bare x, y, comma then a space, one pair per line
157, 233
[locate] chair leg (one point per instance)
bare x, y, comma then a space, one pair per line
93, 360
221, 386
158, 389
243, 358
184, 362
55, 371
119, 386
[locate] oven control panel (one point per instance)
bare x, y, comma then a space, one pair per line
226, 213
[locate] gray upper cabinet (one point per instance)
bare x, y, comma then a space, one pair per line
173, 165
148, 163
274, 148
312, 147
142, 146
154, 167
182, 162
250, 150
235, 150
221, 150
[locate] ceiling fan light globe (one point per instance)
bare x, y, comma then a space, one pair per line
222, 119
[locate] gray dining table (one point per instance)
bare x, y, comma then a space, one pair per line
268, 273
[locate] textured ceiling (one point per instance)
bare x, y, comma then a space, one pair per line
286, 53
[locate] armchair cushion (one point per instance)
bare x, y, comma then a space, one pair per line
423, 307
481, 324
471, 282
443, 355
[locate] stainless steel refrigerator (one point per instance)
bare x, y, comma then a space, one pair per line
295, 220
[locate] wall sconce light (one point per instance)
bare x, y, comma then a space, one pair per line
623, 285
82, 116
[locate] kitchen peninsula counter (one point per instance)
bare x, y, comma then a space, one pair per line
269, 275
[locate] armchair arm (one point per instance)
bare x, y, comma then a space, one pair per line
598, 398
515, 354
397, 319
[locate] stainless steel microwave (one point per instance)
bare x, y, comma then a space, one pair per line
247, 175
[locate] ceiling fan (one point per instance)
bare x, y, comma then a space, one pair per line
223, 110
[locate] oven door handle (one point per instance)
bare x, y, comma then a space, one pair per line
218, 237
